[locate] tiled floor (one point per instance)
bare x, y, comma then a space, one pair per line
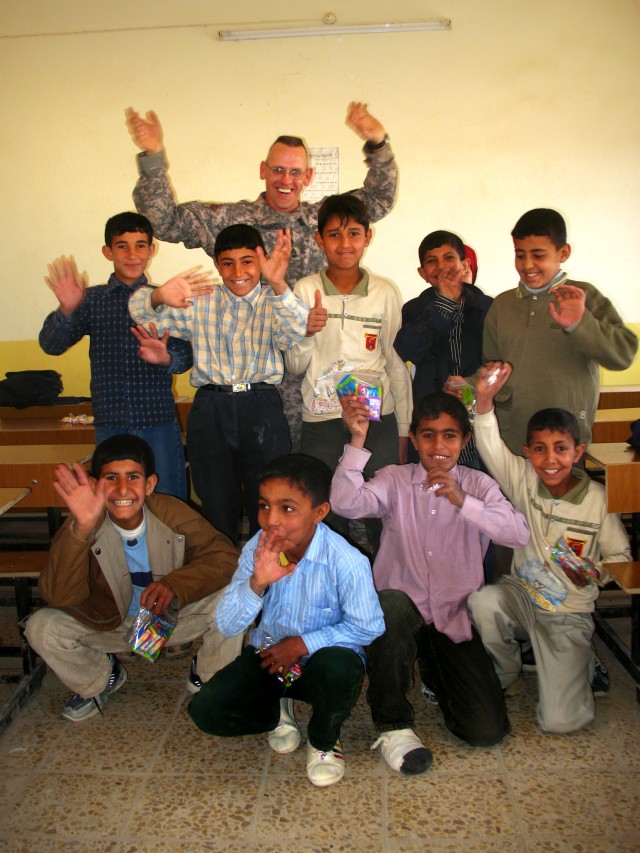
143, 778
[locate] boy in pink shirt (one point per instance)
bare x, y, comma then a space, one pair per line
438, 518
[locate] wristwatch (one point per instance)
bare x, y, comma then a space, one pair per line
376, 146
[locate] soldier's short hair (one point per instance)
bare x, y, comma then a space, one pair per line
291, 142
238, 236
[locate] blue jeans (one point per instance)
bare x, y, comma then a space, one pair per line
166, 442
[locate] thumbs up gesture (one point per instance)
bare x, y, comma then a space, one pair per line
317, 318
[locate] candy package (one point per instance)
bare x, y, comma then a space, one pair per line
565, 556
295, 670
325, 399
367, 388
149, 633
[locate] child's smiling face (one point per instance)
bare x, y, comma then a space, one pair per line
439, 441
538, 260
552, 455
126, 490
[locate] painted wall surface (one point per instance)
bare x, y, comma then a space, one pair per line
520, 105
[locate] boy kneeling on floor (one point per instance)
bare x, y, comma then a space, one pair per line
318, 608
124, 547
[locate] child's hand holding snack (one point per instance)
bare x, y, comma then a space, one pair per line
355, 414
445, 485
491, 377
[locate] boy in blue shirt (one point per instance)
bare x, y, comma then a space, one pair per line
130, 376
314, 598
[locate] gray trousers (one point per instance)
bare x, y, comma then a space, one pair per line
504, 616
77, 653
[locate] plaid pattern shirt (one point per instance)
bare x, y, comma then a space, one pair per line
234, 339
125, 390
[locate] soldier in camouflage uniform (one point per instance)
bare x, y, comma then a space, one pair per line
286, 172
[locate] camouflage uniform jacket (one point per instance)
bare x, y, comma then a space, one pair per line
196, 224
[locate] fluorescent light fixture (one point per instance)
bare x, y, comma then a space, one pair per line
332, 30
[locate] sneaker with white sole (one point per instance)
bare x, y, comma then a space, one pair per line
286, 736
194, 682
403, 750
325, 768
78, 708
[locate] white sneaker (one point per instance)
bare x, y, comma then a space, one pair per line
286, 735
403, 750
325, 768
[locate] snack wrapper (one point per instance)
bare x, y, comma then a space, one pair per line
149, 633
367, 388
566, 557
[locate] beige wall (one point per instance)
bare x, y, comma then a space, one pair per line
520, 105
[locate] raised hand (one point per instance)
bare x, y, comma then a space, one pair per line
67, 283
355, 414
570, 305
317, 319
146, 132
84, 497
183, 288
267, 562
153, 348
451, 281
491, 377
274, 266
360, 120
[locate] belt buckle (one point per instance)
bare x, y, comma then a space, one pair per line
240, 386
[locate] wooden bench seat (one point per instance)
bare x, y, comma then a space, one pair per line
22, 568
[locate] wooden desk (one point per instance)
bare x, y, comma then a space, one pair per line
11, 496
621, 464
44, 431
627, 576
33, 466
612, 425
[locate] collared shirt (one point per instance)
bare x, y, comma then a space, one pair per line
125, 390
235, 339
328, 600
430, 549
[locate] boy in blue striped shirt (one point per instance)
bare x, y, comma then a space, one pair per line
317, 608
237, 329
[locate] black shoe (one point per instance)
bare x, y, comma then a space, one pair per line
601, 682
78, 708
194, 682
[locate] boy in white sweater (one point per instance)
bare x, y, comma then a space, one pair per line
541, 601
352, 325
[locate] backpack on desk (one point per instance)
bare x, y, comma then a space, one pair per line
634, 438
23, 388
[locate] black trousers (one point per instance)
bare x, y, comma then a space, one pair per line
460, 674
230, 437
243, 699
